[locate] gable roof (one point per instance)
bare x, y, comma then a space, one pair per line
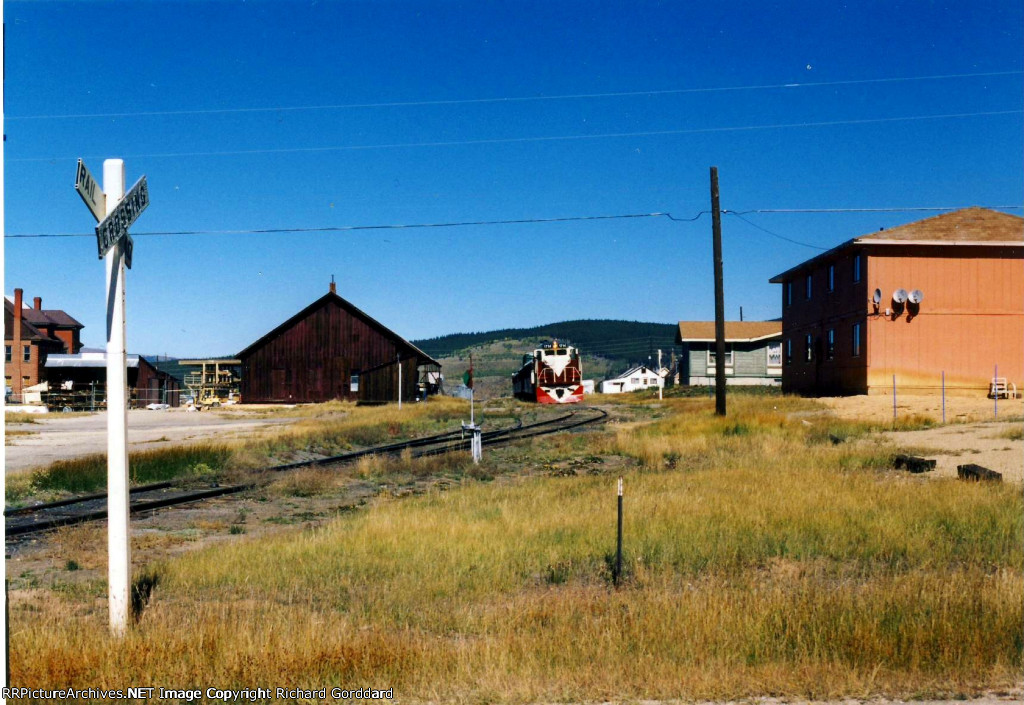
735, 331
974, 226
967, 225
28, 331
45, 317
639, 369
331, 297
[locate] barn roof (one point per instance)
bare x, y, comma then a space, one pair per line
735, 331
331, 297
974, 226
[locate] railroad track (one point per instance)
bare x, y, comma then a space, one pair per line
38, 518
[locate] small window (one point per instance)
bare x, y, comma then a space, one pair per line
830, 347
831, 277
27, 352
856, 340
634, 380
809, 349
856, 268
353, 383
789, 293
789, 351
774, 354
728, 357
807, 293
7, 353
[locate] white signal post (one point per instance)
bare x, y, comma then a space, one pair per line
119, 548
115, 212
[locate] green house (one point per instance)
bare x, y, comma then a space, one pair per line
753, 352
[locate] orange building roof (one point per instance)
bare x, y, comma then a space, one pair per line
735, 331
965, 225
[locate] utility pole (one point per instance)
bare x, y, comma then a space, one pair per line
716, 236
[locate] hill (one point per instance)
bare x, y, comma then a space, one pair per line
622, 341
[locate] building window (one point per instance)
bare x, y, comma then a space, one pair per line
7, 353
789, 293
728, 357
789, 351
831, 277
27, 353
809, 349
774, 354
856, 340
634, 380
856, 268
353, 383
830, 347
807, 294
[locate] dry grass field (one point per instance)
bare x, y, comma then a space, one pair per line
769, 553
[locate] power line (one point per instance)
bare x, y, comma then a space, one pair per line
774, 234
515, 99
898, 209
551, 138
351, 228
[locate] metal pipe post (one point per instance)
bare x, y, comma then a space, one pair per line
995, 392
618, 543
119, 571
894, 400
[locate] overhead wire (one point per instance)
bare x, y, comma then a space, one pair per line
517, 99
540, 138
352, 228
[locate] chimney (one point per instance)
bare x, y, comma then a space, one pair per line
334, 289
38, 301
17, 302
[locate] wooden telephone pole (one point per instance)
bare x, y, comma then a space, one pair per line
716, 236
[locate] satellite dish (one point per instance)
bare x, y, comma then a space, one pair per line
915, 296
877, 296
899, 296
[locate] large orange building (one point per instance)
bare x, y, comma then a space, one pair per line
940, 297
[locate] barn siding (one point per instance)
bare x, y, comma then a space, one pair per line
312, 360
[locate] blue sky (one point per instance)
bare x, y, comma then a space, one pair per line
240, 114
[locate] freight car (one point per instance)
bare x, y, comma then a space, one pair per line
550, 375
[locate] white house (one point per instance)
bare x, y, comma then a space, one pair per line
631, 380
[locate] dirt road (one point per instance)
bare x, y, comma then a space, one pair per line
55, 437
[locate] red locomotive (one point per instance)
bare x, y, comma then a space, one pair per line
551, 375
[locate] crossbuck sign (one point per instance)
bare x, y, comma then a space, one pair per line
115, 226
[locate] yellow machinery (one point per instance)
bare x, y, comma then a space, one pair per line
215, 383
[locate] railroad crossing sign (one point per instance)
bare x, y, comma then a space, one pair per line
115, 226
90, 192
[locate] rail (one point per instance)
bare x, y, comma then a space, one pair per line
39, 518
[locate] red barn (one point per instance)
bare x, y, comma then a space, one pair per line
331, 350
938, 297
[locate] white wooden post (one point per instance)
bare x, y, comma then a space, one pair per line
119, 571
399, 381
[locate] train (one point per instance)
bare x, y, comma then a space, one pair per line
552, 374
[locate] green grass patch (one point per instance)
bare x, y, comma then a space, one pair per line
89, 473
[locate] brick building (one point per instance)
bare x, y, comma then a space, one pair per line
845, 329
31, 333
